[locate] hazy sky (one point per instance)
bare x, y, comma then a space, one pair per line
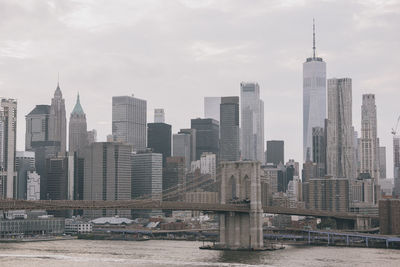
173, 53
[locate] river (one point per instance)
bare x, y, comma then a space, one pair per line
84, 253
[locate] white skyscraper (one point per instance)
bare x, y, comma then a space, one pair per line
129, 121
314, 98
211, 107
8, 129
252, 122
340, 131
159, 115
369, 141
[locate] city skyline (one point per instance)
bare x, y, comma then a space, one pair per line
279, 121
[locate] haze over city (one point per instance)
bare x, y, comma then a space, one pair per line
174, 53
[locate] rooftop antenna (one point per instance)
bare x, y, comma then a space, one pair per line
58, 79
313, 38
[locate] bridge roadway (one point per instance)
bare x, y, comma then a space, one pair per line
10, 204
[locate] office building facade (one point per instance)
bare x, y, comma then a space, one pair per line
207, 136
314, 98
107, 175
58, 120
37, 125
340, 131
275, 152
8, 137
129, 121
212, 108
369, 143
229, 129
78, 135
159, 139
252, 122
182, 148
159, 115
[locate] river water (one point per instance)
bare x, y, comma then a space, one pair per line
183, 253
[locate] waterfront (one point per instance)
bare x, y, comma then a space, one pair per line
183, 253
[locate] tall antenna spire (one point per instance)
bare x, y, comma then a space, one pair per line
58, 79
313, 38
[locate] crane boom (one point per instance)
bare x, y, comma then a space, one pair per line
394, 130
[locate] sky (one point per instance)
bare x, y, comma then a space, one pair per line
174, 53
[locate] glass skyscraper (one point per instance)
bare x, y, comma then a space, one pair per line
314, 99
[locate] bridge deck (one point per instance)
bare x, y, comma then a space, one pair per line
10, 204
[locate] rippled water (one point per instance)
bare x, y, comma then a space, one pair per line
182, 253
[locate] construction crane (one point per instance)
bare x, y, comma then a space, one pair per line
394, 130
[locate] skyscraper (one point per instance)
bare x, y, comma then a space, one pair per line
78, 138
182, 148
159, 115
24, 163
212, 108
57, 120
396, 164
340, 132
192, 133
146, 179
382, 162
369, 141
314, 98
207, 136
8, 136
275, 152
159, 139
107, 175
129, 116
252, 122
92, 136
229, 128
37, 125
319, 150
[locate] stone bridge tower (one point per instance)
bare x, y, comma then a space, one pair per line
240, 183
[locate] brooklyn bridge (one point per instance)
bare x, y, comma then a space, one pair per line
240, 223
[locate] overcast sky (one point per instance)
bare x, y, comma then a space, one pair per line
173, 53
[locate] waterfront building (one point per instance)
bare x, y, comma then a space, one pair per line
389, 217
78, 135
212, 108
207, 136
159, 139
340, 131
37, 125
275, 152
314, 98
129, 118
24, 164
369, 157
107, 175
252, 122
8, 137
43, 225
159, 115
33, 186
229, 129
58, 120
182, 148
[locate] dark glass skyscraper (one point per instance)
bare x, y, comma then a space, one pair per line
207, 136
159, 139
275, 152
229, 116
